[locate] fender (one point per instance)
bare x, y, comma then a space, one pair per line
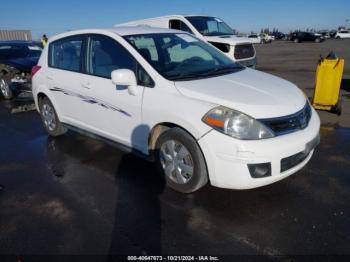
42, 89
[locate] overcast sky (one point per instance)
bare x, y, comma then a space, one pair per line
53, 17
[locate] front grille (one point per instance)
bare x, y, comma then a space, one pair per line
244, 51
292, 161
288, 124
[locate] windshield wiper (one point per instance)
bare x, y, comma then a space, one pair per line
224, 70
186, 76
213, 72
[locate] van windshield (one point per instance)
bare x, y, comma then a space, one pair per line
181, 56
210, 26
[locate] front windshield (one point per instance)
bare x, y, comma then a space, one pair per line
210, 26
182, 56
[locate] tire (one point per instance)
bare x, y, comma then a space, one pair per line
317, 40
5, 88
176, 151
50, 120
337, 109
296, 40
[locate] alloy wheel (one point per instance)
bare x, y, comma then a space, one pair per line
49, 117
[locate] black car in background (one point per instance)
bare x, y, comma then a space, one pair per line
16, 61
298, 37
279, 36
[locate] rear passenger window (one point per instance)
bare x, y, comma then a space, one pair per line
106, 55
65, 54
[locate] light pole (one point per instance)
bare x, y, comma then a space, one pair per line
346, 23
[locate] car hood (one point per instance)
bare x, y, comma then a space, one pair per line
22, 64
228, 39
252, 92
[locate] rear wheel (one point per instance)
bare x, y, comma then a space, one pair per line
5, 88
181, 161
317, 40
296, 40
50, 120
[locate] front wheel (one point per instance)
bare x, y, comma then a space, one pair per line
50, 120
317, 40
296, 40
5, 88
181, 161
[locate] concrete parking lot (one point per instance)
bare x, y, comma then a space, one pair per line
75, 195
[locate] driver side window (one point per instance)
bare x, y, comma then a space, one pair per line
106, 55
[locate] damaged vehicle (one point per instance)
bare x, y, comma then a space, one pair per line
16, 61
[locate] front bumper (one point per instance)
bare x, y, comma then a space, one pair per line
20, 87
228, 158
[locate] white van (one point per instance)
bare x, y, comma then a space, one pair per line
175, 99
210, 29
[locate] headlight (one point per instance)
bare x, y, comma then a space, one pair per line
236, 124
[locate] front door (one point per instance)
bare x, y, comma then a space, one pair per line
110, 110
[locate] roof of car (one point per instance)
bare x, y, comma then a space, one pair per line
119, 30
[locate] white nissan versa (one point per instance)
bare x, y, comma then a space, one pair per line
178, 100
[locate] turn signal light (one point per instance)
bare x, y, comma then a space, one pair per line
214, 122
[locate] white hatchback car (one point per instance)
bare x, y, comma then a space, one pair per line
342, 34
179, 101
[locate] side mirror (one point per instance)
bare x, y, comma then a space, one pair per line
125, 77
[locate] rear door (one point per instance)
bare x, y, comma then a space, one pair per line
65, 78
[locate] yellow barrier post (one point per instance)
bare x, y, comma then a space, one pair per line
327, 85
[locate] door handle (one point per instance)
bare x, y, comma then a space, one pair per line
85, 85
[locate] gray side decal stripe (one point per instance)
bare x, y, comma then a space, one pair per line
90, 100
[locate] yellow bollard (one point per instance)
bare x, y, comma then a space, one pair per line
328, 80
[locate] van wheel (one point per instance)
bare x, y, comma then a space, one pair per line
296, 40
181, 161
5, 88
50, 120
317, 40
